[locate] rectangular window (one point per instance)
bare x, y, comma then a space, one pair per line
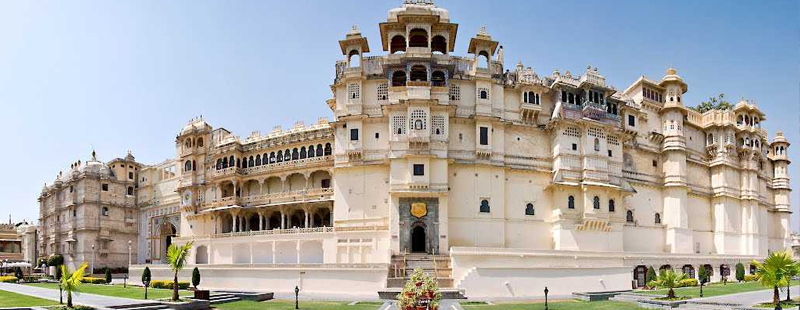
377, 135
326, 183
631, 120
455, 92
105, 187
419, 169
655, 163
609, 153
574, 146
354, 134
484, 135
383, 92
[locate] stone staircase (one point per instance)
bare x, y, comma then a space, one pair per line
632, 297
219, 298
437, 266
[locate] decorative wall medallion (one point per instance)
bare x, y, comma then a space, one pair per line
419, 209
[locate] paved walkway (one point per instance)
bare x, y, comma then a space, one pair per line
750, 298
97, 301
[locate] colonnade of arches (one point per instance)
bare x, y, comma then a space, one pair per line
438, 77
274, 184
303, 152
418, 37
723, 271
238, 220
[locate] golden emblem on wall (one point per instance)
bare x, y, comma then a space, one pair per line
419, 209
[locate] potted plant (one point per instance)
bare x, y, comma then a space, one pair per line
419, 293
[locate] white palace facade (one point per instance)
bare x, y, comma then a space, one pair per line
502, 179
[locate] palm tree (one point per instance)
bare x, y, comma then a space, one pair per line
668, 279
71, 281
791, 272
775, 272
176, 255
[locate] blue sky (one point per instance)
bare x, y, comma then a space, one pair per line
127, 75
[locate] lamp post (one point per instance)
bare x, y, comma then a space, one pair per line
92, 271
125, 284
546, 291
296, 302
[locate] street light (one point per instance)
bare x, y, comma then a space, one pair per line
92, 260
546, 291
125, 283
296, 292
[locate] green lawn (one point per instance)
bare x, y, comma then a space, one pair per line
289, 305
9, 299
133, 292
715, 289
560, 305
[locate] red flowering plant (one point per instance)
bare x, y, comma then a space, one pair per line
420, 292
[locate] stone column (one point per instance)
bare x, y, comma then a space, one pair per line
283, 220
306, 217
235, 226
260, 221
298, 250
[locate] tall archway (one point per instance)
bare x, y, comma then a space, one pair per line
398, 44
439, 44
399, 78
418, 38
419, 73
418, 239
167, 232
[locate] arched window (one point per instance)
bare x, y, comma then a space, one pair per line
529, 209
194, 168
419, 73
484, 94
571, 202
238, 163
439, 44
219, 163
319, 150
438, 79
483, 60
280, 156
272, 157
354, 59
231, 161
709, 139
525, 97
658, 218
303, 152
311, 151
295, 154
611, 207
251, 162
629, 216
398, 44
224, 162
187, 166
105, 211
418, 38
130, 190
200, 142
244, 163
596, 202
327, 149
484, 208
399, 78
287, 155
597, 145
258, 160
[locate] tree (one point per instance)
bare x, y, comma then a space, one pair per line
146, 280
713, 103
792, 272
739, 272
108, 275
55, 260
71, 281
703, 275
195, 277
775, 272
650, 276
668, 279
176, 256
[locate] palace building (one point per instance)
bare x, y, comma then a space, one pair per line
495, 178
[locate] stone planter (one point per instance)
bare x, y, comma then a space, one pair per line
202, 294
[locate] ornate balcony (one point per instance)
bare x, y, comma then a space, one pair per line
289, 165
303, 195
230, 171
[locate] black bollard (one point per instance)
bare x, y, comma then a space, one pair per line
546, 291
296, 302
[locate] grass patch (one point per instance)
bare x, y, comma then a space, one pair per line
289, 305
132, 292
9, 299
784, 304
715, 289
559, 305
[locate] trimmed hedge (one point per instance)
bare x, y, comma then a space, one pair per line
750, 278
688, 282
8, 279
93, 280
167, 284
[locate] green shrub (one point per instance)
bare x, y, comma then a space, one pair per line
55, 260
195, 277
8, 279
750, 278
650, 276
167, 284
108, 276
93, 280
688, 282
739, 272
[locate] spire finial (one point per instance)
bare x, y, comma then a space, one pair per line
94, 155
482, 30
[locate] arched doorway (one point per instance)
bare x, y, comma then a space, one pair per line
639, 275
418, 239
167, 232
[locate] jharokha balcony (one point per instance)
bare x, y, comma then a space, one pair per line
303, 195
